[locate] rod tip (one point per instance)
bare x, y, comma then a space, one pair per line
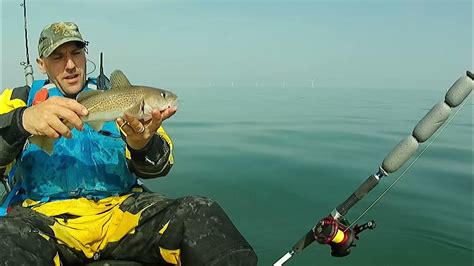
469, 74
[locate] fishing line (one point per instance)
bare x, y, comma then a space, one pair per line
95, 67
403, 173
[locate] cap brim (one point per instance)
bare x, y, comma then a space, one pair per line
51, 49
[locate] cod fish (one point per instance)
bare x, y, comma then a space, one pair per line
108, 105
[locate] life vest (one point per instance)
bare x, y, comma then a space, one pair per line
91, 164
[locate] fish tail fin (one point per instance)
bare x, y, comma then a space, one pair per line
45, 143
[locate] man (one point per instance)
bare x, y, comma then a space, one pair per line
83, 203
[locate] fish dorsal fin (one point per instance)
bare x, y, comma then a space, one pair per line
45, 143
118, 79
87, 94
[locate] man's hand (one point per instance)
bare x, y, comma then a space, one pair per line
51, 117
138, 132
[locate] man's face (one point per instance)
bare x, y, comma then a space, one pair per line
66, 67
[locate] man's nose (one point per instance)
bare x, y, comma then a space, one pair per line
70, 64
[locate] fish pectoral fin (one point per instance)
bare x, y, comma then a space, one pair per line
118, 80
137, 109
96, 125
45, 143
87, 94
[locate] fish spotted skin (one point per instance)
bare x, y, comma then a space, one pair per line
108, 105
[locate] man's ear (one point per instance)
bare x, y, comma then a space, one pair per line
41, 65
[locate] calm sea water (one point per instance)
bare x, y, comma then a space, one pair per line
279, 159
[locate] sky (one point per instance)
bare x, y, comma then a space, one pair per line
359, 44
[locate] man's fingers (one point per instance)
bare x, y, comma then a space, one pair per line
70, 116
123, 125
49, 132
59, 127
159, 116
156, 119
138, 127
168, 113
135, 124
70, 104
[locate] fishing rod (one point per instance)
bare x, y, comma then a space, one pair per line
28, 69
27, 65
103, 82
335, 230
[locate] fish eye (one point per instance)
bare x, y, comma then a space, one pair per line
163, 95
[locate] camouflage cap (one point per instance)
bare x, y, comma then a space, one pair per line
53, 35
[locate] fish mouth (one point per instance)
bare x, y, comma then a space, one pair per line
173, 104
